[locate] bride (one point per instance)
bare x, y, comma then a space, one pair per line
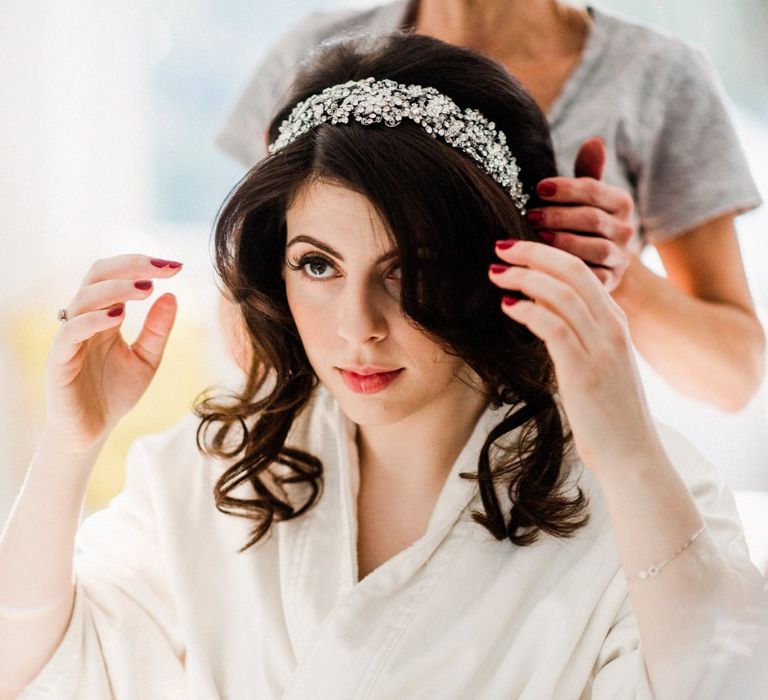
439, 478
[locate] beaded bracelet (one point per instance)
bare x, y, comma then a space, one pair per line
654, 569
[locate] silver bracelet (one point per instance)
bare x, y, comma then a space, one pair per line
654, 569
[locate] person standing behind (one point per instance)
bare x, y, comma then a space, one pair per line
639, 120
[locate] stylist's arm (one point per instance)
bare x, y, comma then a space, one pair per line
703, 308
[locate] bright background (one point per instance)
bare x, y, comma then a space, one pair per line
108, 115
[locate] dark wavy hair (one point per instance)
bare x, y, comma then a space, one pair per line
434, 198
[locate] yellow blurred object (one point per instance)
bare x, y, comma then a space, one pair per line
183, 374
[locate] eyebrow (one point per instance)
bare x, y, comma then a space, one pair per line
327, 249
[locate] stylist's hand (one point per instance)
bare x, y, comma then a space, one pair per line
588, 218
587, 337
93, 377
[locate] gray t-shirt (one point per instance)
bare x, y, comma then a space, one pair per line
654, 99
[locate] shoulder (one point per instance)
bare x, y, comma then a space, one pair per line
319, 26
241, 134
661, 54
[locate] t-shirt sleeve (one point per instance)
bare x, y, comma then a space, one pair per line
123, 638
696, 169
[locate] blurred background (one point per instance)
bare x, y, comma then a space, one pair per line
107, 122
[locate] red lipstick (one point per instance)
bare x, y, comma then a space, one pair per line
368, 380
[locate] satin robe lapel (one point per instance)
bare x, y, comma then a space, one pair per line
344, 630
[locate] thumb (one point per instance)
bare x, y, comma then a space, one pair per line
150, 344
590, 160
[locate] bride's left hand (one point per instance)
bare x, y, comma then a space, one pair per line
586, 334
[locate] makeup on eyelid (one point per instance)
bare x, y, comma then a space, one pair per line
302, 261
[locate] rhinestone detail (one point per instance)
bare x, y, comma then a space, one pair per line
371, 101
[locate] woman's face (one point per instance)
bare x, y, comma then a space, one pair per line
342, 279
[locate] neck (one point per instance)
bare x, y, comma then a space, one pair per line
503, 28
417, 453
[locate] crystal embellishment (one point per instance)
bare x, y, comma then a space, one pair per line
372, 101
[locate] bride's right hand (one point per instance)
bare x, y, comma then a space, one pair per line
93, 377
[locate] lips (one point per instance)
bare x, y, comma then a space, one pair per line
369, 380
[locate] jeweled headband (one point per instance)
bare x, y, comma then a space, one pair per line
372, 101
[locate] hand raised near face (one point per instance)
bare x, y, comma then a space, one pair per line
93, 377
588, 218
586, 334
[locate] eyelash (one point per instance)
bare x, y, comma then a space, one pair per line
302, 261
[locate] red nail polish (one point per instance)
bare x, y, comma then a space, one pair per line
535, 217
174, 265
509, 301
508, 243
546, 189
496, 269
159, 262
115, 311
547, 236
143, 285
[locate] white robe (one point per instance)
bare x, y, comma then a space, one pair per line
166, 608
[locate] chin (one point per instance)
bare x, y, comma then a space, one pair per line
385, 408
368, 411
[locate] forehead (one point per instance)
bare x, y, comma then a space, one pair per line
337, 215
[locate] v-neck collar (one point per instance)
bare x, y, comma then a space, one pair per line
455, 494
593, 49
393, 16
319, 562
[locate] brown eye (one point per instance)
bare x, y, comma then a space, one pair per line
314, 267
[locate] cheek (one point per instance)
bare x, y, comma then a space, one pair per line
310, 313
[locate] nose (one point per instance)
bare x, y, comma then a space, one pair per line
362, 315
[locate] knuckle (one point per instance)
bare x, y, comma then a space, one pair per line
592, 189
603, 275
559, 329
625, 232
593, 219
567, 296
603, 251
552, 217
574, 266
96, 265
627, 204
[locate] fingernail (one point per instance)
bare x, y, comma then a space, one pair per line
546, 189
496, 269
535, 217
116, 311
144, 285
174, 265
509, 301
159, 262
508, 243
547, 236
